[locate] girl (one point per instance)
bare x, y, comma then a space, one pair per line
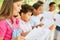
25, 13
8, 20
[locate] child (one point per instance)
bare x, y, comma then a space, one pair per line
8, 21
25, 25
52, 7
37, 14
25, 13
57, 35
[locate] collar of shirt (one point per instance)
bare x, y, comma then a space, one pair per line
15, 23
23, 22
25, 26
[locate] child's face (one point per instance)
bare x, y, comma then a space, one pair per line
40, 9
16, 8
26, 17
53, 7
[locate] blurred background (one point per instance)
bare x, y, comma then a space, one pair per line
31, 2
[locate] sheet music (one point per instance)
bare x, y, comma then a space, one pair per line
47, 23
47, 19
38, 34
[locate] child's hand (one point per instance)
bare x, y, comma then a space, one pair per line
41, 19
52, 27
40, 25
54, 19
24, 33
22, 38
19, 38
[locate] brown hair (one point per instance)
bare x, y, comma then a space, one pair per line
16, 0
26, 8
58, 5
51, 3
7, 8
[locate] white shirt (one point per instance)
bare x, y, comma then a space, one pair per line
49, 15
25, 26
35, 20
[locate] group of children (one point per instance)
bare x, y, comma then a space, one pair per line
14, 28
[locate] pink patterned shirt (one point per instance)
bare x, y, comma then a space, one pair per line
5, 30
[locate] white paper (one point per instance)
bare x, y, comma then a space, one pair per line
38, 34
57, 17
48, 15
47, 23
47, 19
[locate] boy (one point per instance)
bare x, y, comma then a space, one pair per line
52, 6
25, 13
37, 14
25, 26
58, 27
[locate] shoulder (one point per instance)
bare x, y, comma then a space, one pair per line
2, 22
3, 25
16, 20
32, 17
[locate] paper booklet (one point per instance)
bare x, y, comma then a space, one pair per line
38, 34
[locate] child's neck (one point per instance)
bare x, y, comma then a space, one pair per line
34, 14
23, 20
50, 10
37, 14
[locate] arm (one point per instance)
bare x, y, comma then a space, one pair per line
2, 32
40, 25
19, 38
22, 38
52, 27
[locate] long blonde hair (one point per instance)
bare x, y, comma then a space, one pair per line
7, 9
